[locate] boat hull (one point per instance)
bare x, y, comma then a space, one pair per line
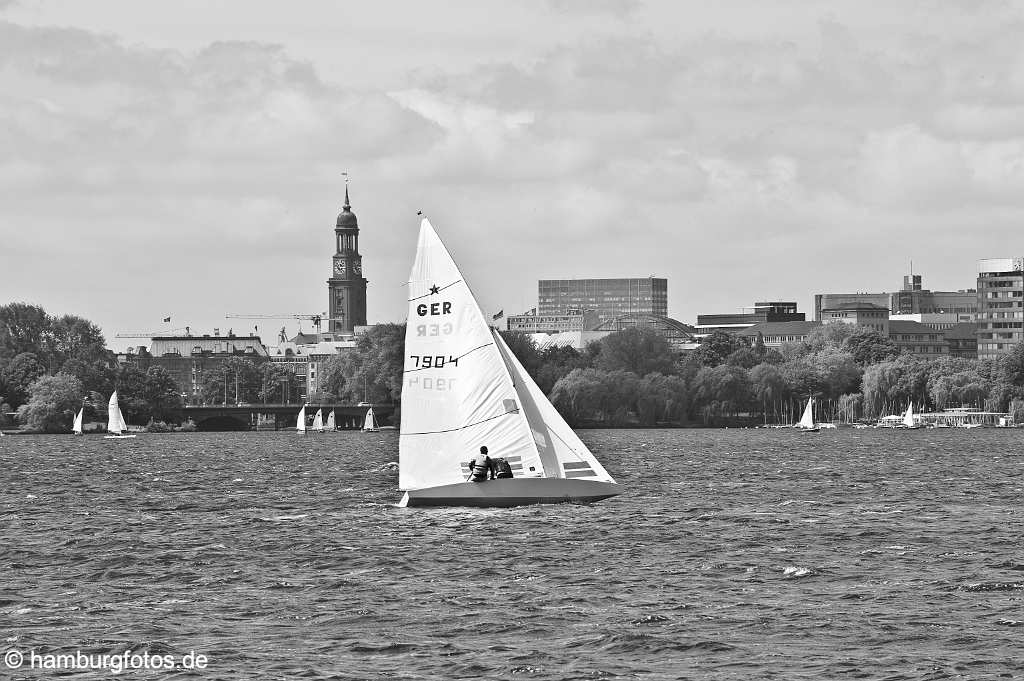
514, 492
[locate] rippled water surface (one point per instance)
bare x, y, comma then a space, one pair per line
732, 554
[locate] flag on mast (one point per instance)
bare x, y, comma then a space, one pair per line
498, 315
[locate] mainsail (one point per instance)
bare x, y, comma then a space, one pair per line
300, 420
318, 421
807, 420
369, 422
115, 420
464, 389
330, 421
908, 417
76, 428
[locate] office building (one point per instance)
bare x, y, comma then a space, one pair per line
1000, 306
609, 298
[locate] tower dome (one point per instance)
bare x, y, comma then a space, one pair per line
346, 218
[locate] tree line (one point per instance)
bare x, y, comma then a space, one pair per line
52, 365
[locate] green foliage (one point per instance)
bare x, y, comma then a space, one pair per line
53, 402
638, 351
868, 346
525, 350
236, 380
556, 362
715, 347
372, 371
19, 374
605, 397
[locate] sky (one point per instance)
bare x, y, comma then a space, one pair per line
185, 158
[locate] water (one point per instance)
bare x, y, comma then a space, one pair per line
733, 554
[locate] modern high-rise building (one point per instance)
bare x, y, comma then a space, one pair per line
346, 288
1000, 306
609, 298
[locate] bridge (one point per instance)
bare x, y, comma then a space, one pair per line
210, 417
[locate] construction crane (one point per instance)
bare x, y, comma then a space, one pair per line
315, 318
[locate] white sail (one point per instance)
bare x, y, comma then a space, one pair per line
369, 422
330, 421
807, 420
318, 421
300, 420
908, 417
463, 389
561, 451
77, 427
115, 420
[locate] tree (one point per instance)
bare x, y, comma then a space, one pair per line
638, 351
556, 362
19, 374
715, 347
372, 371
525, 350
72, 337
829, 336
870, 347
161, 395
53, 402
235, 380
606, 397
661, 399
747, 358
23, 329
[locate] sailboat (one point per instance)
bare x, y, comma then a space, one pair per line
463, 389
370, 423
300, 421
908, 418
806, 422
76, 428
330, 422
318, 421
115, 420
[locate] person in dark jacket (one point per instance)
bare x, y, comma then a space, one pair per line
481, 468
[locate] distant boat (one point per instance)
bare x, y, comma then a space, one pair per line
464, 389
330, 422
300, 421
908, 418
115, 420
370, 423
806, 422
318, 421
77, 427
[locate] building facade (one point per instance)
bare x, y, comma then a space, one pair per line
760, 314
912, 298
872, 316
917, 339
573, 321
188, 358
1000, 306
346, 288
777, 334
609, 298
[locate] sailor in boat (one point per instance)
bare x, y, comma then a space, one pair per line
502, 468
481, 468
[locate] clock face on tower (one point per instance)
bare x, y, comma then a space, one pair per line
339, 266
357, 267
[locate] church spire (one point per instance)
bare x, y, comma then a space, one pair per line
346, 206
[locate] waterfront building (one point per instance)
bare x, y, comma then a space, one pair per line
188, 358
776, 334
869, 315
571, 321
608, 298
1000, 306
346, 288
962, 340
761, 313
917, 339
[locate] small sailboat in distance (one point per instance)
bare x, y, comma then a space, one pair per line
806, 422
76, 428
330, 425
318, 421
464, 389
908, 418
300, 421
116, 425
370, 422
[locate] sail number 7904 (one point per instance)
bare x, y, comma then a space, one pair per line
433, 361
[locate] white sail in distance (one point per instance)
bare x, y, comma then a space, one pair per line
115, 420
300, 420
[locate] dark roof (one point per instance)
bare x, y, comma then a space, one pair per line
779, 329
305, 339
900, 326
962, 331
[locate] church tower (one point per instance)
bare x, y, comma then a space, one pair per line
346, 287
